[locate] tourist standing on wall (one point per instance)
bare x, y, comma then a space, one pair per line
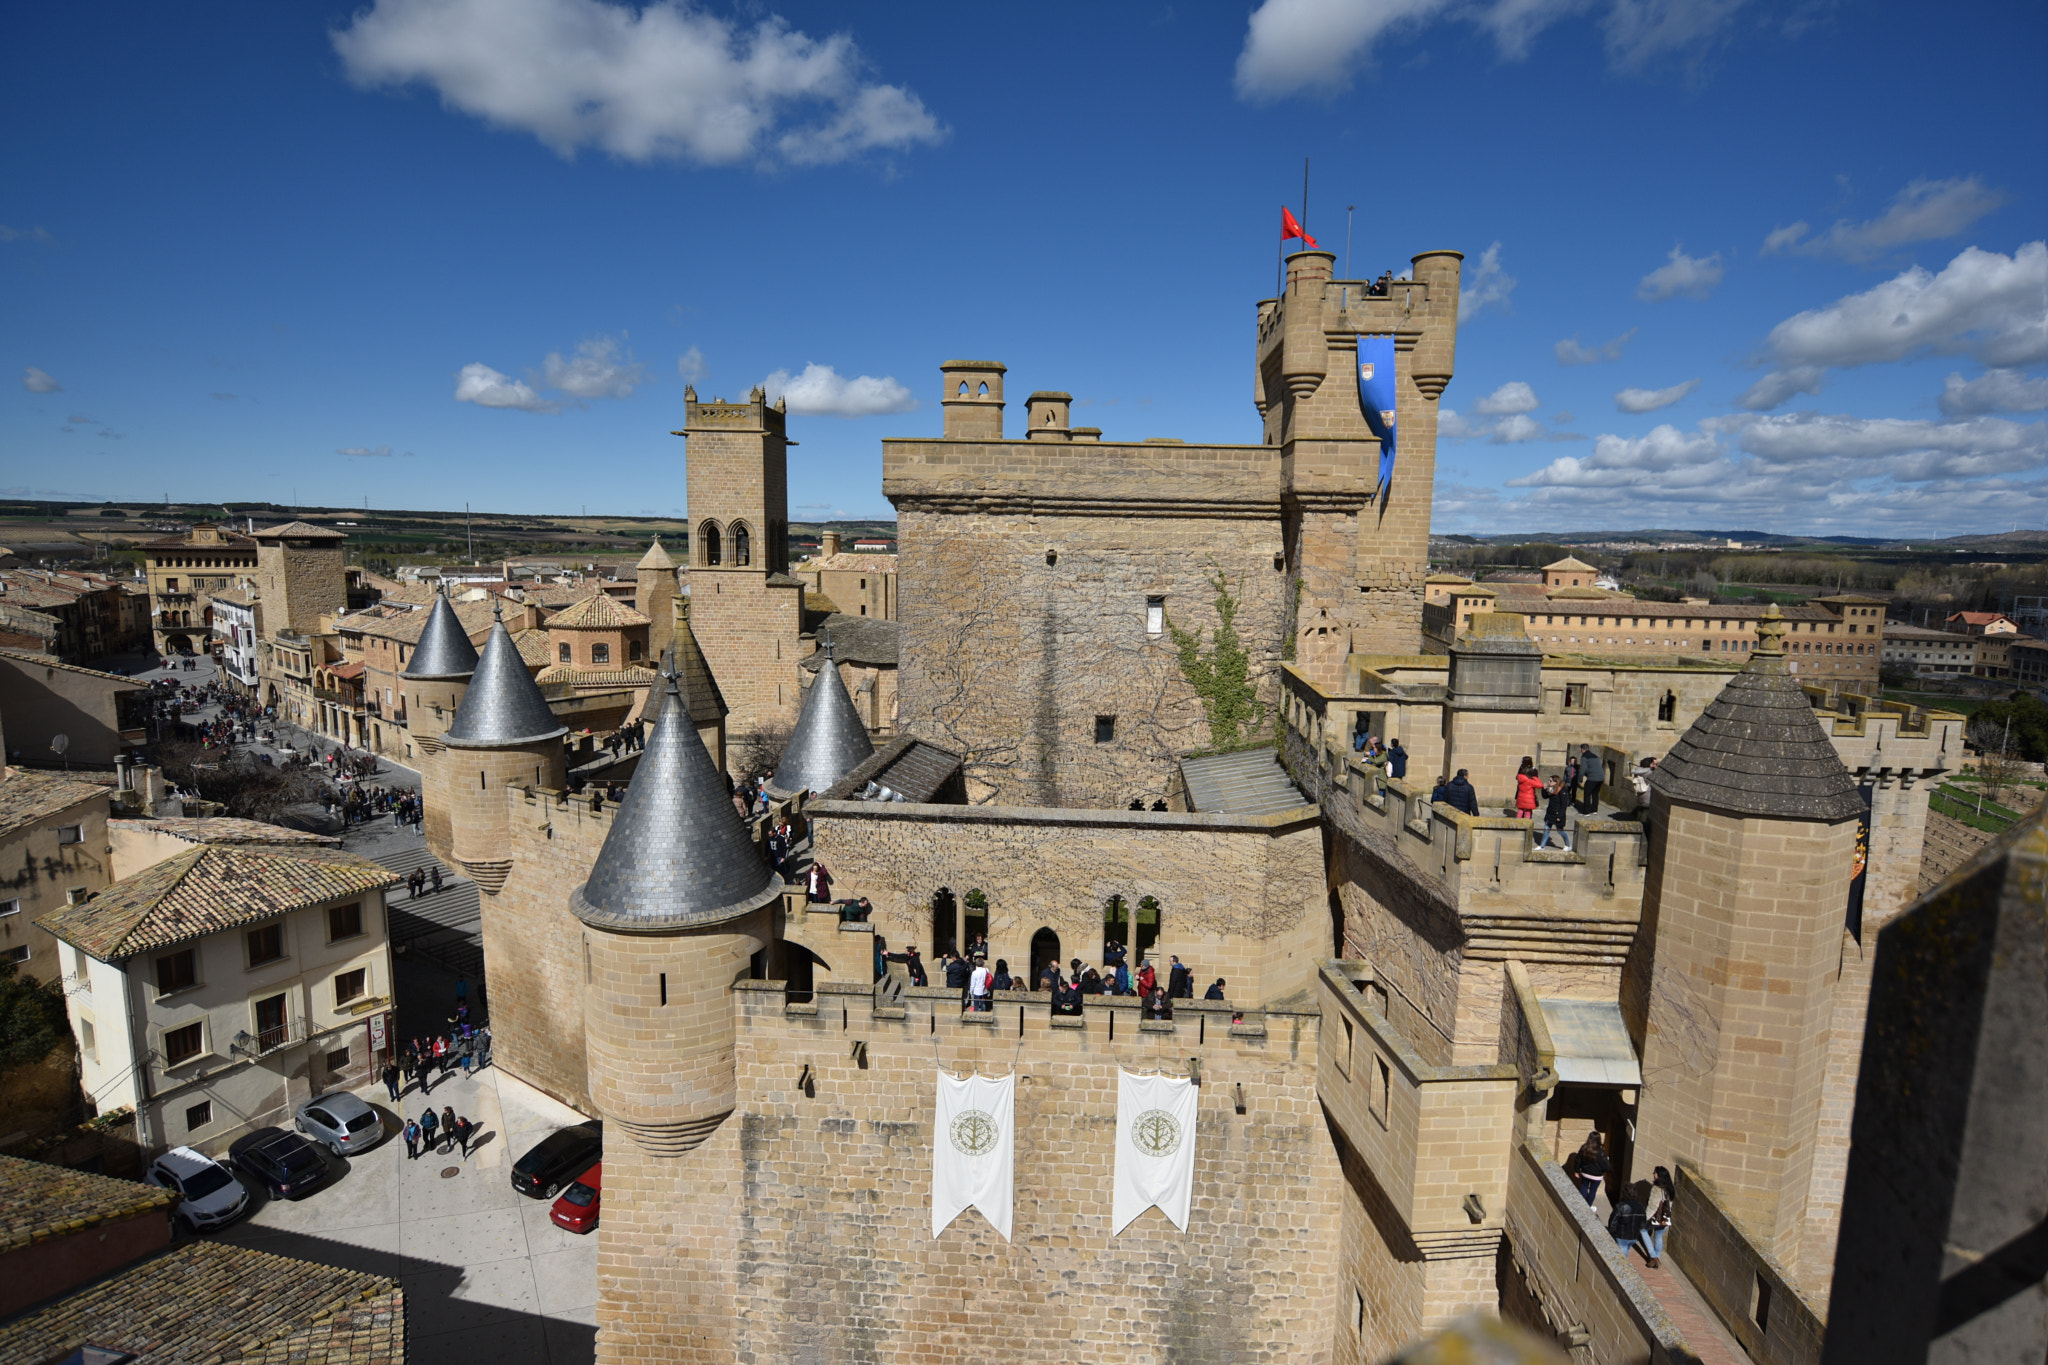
1556, 811
1528, 786
1657, 1219
1592, 774
1397, 759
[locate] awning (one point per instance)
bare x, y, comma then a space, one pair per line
1592, 1043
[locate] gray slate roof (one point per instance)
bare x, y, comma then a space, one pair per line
867, 640
1758, 749
909, 767
503, 704
1250, 782
678, 854
830, 739
444, 650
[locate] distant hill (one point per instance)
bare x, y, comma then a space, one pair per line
2015, 540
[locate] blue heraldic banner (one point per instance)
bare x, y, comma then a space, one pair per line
1376, 398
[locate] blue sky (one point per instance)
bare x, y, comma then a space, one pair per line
433, 251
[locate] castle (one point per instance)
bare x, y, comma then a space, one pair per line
1422, 1012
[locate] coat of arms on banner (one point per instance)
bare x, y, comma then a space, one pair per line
974, 1150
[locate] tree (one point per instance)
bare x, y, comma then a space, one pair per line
760, 750
2029, 717
32, 1021
1998, 762
247, 788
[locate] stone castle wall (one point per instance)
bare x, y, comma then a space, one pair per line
802, 1229
299, 584
748, 629
1240, 898
1008, 659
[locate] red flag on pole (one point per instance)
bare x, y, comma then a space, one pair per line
1290, 228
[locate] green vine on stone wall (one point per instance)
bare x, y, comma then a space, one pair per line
1293, 620
1222, 677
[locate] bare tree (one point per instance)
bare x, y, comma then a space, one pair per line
1998, 763
758, 752
244, 786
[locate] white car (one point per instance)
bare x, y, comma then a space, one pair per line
212, 1195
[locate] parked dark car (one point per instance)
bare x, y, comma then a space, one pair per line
557, 1159
284, 1163
577, 1209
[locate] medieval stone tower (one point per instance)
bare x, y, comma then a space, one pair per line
654, 595
1730, 984
435, 678
299, 577
745, 608
1360, 552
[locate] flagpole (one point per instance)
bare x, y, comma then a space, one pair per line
1304, 203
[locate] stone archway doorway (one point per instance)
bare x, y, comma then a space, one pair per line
1045, 952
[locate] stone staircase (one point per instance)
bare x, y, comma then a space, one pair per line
1949, 844
444, 927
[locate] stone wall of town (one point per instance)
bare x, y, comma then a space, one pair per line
802, 1229
1240, 898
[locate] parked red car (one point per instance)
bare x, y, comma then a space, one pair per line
576, 1210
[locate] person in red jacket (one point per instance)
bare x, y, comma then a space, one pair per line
1528, 787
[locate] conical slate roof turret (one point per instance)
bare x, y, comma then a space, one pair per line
444, 650
1758, 749
504, 704
829, 741
678, 854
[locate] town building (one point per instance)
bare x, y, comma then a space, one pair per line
64, 716
183, 572
72, 615
859, 582
1981, 623
1935, 655
301, 590
227, 962
1832, 639
53, 839
234, 636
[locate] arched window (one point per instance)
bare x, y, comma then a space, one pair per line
635, 651
562, 652
963, 386
742, 544
984, 390
707, 543
945, 922
600, 653
1667, 707
1045, 953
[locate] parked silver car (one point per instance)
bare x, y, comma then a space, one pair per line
212, 1195
345, 1123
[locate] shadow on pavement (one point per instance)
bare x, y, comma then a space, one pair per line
438, 1324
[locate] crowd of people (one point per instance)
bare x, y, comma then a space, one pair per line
971, 974
1576, 787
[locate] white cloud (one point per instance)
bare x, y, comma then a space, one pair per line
1989, 307
1993, 391
596, 372
1509, 398
1650, 400
690, 364
1666, 455
39, 381
1924, 211
1692, 276
485, 387
820, 391
373, 452
1570, 352
1777, 386
1294, 47
14, 234
1484, 284
1904, 450
662, 82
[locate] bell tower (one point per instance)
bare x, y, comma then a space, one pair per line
745, 608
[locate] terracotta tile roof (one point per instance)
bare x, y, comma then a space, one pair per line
850, 561
39, 1201
534, 646
239, 597
575, 676
299, 530
26, 797
227, 829
229, 540
405, 625
209, 1301
1569, 565
129, 683
349, 670
597, 612
211, 888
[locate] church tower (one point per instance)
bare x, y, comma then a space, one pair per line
1730, 983
746, 609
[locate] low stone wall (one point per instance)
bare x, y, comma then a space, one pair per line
1588, 1295
1757, 1299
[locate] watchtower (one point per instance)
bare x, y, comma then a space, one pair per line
971, 395
1730, 983
745, 608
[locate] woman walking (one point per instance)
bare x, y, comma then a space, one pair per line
1556, 811
1528, 786
1591, 1168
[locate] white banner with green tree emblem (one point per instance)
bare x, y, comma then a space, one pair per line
1155, 1148
973, 1155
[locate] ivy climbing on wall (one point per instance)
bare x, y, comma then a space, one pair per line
1221, 677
